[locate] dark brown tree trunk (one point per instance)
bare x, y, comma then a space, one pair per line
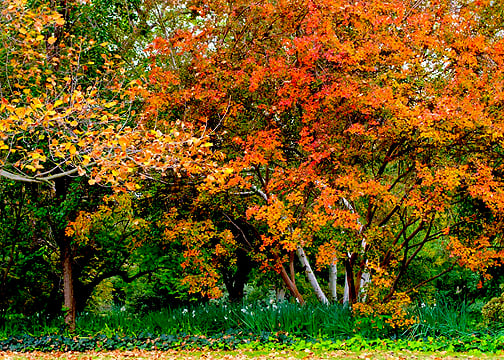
235, 281
350, 279
68, 286
291, 286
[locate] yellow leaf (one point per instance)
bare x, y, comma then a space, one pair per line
57, 103
207, 144
22, 31
72, 150
91, 182
60, 21
74, 123
86, 160
36, 103
110, 104
51, 40
39, 37
20, 112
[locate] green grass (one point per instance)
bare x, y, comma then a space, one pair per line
210, 319
312, 321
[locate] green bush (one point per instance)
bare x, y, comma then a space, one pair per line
493, 311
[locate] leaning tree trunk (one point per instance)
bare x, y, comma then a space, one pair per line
312, 279
291, 286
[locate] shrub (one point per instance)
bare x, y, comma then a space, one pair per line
493, 311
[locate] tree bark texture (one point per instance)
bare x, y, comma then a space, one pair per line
333, 277
312, 279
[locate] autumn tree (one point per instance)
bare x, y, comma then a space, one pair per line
67, 110
353, 129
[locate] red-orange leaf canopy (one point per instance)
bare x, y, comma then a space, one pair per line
367, 129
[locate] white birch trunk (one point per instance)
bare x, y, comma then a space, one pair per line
365, 279
333, 277
311, 276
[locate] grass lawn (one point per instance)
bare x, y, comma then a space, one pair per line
243, 355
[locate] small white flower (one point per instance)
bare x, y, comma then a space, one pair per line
185, 311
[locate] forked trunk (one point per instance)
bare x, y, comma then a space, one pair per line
355, 284
291, 286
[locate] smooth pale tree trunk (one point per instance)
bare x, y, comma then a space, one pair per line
68, 288
365, 280
280, 294
333, 279
311, 276
346, 292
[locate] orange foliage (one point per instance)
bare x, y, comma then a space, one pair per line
62, 113
204, 248
355, 128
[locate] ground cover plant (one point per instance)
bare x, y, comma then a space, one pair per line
244, 355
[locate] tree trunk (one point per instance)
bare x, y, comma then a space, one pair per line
346, 292
311, 276
355, 288
291, 286
350, 296
333, 277
364, 280
68, 287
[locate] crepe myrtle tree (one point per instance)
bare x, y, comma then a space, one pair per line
374, 119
